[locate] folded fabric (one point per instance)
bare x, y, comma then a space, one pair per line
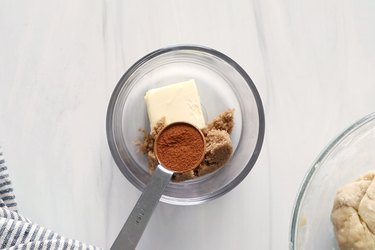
18, 232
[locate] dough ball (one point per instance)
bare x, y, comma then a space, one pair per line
353, 214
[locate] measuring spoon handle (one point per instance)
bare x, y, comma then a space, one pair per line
136, 223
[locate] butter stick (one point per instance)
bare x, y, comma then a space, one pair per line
176, 102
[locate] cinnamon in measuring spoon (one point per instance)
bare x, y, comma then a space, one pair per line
180, 147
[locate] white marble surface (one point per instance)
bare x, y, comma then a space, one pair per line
313, 62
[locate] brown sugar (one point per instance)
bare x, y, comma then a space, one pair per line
177, 177
218, 151
218, 146
147, 145
224, 121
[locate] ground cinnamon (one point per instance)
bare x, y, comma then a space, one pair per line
180, 147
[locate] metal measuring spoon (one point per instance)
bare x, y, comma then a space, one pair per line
136, 223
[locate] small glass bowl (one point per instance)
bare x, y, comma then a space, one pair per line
345, 159
222, 84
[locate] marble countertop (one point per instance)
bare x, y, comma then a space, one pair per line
312, 62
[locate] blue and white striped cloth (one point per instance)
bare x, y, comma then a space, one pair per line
18, 232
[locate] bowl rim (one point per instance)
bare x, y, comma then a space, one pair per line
315, 166
259, 105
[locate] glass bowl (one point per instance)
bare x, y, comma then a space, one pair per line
221, 83
345, 159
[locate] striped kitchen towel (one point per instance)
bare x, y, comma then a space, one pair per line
18, 232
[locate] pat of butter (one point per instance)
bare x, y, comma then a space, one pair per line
176, 102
